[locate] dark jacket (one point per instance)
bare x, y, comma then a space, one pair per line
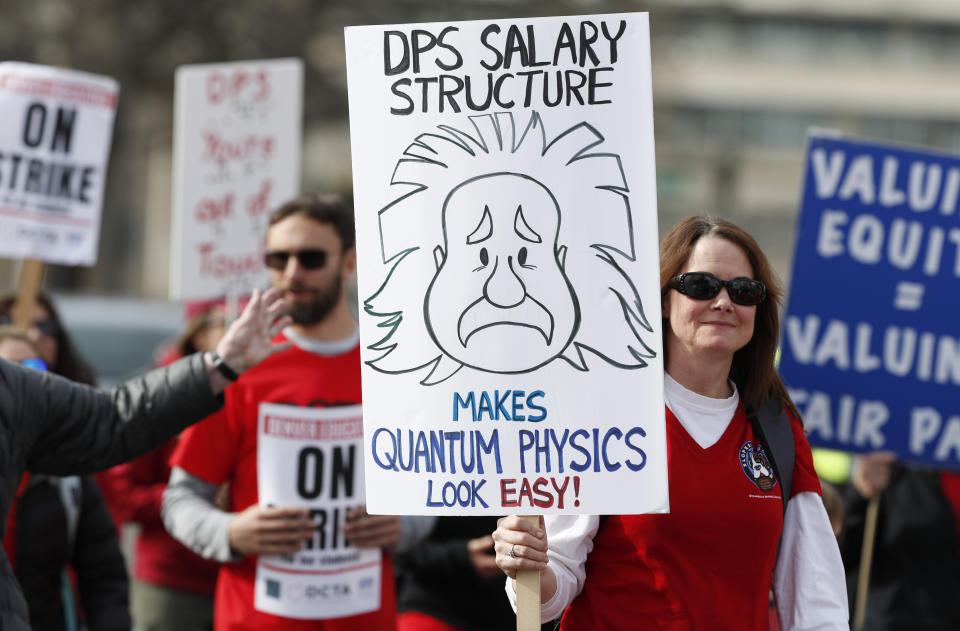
915, 573
436, 578
64, 522
53, 426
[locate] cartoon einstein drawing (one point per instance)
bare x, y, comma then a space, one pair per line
522, 253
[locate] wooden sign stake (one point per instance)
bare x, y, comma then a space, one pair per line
232, 304
528, 592
31, 274
866, 560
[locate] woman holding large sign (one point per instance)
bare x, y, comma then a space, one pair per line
730, 534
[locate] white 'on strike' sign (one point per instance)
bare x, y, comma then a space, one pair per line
311, 458
54, 149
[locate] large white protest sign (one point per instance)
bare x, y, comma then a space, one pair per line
310, 457
507, 263
54, 149
236, 157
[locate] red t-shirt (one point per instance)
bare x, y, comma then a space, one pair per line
224, 447
708, 564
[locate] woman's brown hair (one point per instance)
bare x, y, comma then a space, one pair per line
69, 363
210, 315
753, 368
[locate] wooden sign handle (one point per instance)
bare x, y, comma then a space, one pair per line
31, 274
528, 592
866, 560
231, 304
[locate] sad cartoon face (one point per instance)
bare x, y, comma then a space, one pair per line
500, 300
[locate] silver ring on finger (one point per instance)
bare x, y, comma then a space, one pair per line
513, 555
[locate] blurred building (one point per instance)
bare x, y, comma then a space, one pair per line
736, 85
738, 82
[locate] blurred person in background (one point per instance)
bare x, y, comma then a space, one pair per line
56, 523
709, 563
833, 503
450, 581
915, 571
206, 324
172, 588
53, 426
204, 330
46, 330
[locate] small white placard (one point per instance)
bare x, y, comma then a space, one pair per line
54, 148
311, 458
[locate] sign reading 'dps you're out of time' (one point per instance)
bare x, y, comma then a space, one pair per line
507, 253
871, 340
54, 149
236, 158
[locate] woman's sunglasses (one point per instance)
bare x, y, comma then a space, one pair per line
309, 259
704, 286
47, 328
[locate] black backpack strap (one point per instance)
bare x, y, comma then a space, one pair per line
774, 432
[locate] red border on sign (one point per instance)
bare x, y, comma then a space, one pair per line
351, 568
34, 216
313, 429
75, 91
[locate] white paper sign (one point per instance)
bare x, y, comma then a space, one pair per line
54, 149
310, 457
236, 157
507, 239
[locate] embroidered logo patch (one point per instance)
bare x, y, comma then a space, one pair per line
757, 467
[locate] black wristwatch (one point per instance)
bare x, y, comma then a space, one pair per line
222, 366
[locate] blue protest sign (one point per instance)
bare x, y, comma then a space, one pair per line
871, 337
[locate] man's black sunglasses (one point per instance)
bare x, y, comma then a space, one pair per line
704, 286
47, 328
310, 259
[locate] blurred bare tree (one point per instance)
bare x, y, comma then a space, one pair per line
141, 43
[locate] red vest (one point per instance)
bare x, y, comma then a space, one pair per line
708, 564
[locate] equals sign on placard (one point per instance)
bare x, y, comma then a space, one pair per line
908, 296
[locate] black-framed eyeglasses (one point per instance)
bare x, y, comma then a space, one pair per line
310, 259
704, 286
47, 328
